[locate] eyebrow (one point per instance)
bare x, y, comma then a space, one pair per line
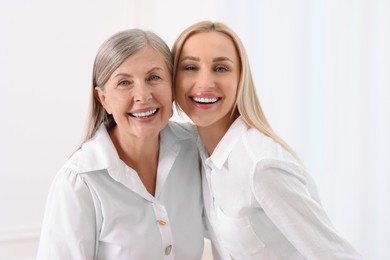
155, 68
222, 59
192, 58
122, 74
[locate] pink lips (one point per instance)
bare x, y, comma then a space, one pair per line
144, 114
204, 100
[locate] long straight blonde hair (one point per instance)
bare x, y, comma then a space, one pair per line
247, 103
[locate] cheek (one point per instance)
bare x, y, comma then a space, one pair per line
180, 95
232, 91
168, 100
119, 102
164, 96
181, 82
232, 84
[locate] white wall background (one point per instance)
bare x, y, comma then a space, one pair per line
322, 70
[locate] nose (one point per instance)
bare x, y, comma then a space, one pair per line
205, 80
142, 93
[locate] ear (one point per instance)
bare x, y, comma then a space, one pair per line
100, 94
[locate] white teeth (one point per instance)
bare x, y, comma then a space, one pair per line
144, 114
205, 100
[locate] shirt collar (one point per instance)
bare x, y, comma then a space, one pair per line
228, 141
99, 153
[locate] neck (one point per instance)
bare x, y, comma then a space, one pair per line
211, 135
141, 155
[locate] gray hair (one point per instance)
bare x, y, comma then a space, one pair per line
112, 53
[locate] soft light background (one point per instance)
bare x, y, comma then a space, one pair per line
322, 70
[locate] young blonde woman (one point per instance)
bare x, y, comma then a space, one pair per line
133, 189
260, 202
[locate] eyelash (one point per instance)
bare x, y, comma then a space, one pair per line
154, 78
124, 83
218, 68
190, 68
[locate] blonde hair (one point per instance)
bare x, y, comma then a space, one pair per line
247, 103
112, 53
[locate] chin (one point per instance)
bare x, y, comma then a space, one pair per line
202, 121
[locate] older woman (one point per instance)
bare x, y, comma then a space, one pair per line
133, 189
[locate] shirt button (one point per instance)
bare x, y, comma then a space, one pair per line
168, 249
162, 222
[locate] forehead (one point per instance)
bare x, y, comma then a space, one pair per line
209, 42
144, 58
146, 54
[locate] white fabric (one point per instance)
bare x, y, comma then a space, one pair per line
261, 204
98, 208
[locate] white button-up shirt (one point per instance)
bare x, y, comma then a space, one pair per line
98, 208
261, 204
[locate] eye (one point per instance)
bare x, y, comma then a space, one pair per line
124, 83
154, 78
190, 68
221, 68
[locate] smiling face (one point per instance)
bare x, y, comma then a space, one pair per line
138, 95
207, 78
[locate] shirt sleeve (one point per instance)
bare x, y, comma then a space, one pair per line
69, 224
283, 194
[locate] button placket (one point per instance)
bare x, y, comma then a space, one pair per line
212, 187
162, 222
168, 250
213, 174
